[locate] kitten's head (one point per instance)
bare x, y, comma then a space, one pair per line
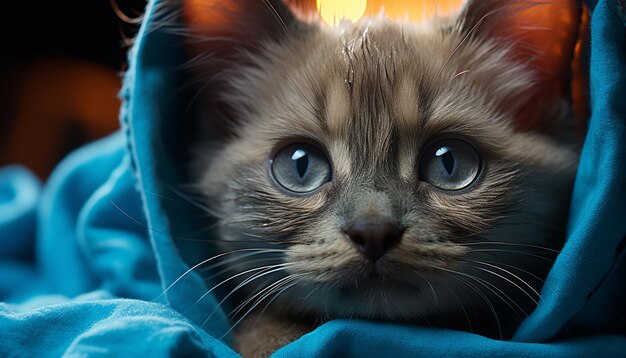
400, 171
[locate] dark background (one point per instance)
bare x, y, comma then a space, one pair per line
60, 55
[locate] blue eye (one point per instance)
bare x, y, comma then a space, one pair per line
450, 164
301, 168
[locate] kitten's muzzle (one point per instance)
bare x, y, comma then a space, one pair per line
374, 238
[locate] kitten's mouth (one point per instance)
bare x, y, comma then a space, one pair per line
375, 283
377, 297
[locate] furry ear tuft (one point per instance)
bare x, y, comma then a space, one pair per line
223, 28
222, 37
542, 35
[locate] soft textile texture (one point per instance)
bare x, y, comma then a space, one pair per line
89, 264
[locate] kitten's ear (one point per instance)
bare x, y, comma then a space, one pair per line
222, 36
223, 28
542, 34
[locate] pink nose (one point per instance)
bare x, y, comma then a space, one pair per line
374, 238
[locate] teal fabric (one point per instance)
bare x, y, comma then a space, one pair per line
89, 263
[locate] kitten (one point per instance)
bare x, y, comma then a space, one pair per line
383, 170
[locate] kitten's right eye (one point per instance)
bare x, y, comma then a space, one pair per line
450, 164
301, 168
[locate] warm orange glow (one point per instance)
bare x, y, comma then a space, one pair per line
557, 29
332, 11
580, 76
200, 13
549, 33
412, 10
52, 96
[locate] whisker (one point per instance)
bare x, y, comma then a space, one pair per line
212, 240
469, 323
138, 187
234, 259
194, 202
482, 295
248, 312
462, 42
518, 269
279, 18
512, 244
285, 288
176, 237
509, 281
460, 74
432, 289
205, 262
508, 301
515, 252
512, 274
265, 270
266, 289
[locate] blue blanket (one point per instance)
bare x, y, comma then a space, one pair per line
89, 262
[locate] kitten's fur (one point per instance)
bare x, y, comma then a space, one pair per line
373, 95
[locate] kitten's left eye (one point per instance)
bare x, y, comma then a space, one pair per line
450, 164
301, 168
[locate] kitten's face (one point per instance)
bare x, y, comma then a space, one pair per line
382, 157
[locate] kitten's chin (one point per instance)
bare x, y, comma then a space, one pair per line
374, 297
374, 286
